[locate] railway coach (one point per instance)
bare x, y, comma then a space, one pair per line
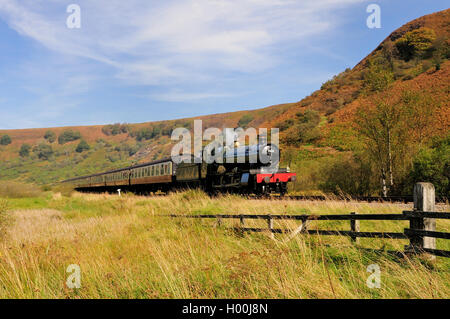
235, 173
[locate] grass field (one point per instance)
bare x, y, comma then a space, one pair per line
125, 250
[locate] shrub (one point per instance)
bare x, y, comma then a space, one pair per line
68, 136
115, 129
130, 149
50, 136
82, 146
243, 122
347, 176
25, 150
283, 126
43, 151
378, 76
148, 133
305, 129
432, 164
415, 43
5, 140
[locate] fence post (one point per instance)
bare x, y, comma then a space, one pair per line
354, 226
424, 201
241, 218
219, 221
270, 226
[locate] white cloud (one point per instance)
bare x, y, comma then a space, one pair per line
174, 41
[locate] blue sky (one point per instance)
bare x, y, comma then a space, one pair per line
138, 61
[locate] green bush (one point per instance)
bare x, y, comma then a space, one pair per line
378, 75
115, 129
147, 133
130, 149
347, 176
415, 43
245, 120
43, 151
50, 136
82, 146
432, 164
25, 150
68, 136
5, 140
304, 129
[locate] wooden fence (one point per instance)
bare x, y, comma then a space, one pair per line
421, 233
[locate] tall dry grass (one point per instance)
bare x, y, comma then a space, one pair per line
126, 249
5, 218
14, 189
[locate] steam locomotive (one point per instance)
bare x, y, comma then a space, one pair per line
250, 169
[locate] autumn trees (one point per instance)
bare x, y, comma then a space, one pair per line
393, 128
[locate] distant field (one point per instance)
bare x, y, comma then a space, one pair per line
125, 250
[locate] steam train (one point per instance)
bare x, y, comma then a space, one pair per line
234, 173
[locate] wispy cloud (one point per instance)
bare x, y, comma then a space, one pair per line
163, 51
156, 42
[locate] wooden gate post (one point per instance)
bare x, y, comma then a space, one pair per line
424, 201
354, 226
270, 226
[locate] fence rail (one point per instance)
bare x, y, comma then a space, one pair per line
389, 199
422, 232
302, 217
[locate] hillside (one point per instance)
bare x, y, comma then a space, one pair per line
317, 132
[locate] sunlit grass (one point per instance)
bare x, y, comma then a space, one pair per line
127, 249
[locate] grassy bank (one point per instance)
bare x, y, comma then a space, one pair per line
125, 250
